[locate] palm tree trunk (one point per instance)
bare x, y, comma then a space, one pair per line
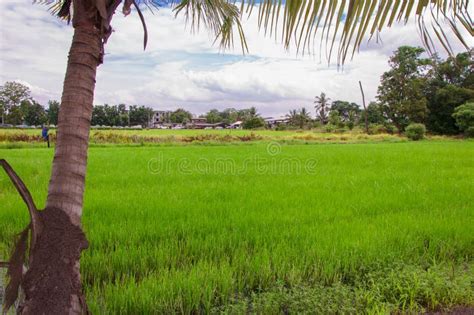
66, 187
52, 284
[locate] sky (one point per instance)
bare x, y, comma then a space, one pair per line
184, 69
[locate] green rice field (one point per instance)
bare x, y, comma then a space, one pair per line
268, 227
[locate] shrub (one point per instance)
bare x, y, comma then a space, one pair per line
317, 124
253, 123
415, 131
330, 128
350, 124
464, 116
375, 129
469, 132
281, 127
391, 129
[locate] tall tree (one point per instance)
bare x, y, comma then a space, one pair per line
345, 109
180, 116
375, 114
12, 94
293, 117
53, 111
140, 115
450, 84
299, 118
35, 114
213, 116
229, 115
322, 107
252, 113
56, 231
401, 89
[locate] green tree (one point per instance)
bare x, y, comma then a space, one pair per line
352, 119
375, 114
180, 116
344, 109
401, 89
322, 107
299, 118
252, 119
213, 116
12, 94
16, 114
456, 70
252, 113
229, 115
140, 115
450, 84
335, 119
348, 112
91, 21
52, 112
293, 117
35, 114
123, 115
253, 123
442, 105
99, 117
464, 116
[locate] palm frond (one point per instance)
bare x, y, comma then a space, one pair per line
219, 16
301, 21
343, 22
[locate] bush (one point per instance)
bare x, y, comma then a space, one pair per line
281, 127
375, 129
253, 123
469, 132
330, 128
317, 124
391, 129
415, 131
464, 116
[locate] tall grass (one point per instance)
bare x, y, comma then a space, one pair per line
32, 137
387, 226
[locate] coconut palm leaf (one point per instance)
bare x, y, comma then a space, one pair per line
341, 23
218, 16
302, 20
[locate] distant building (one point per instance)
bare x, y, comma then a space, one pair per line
236, 125
205, 126
198, 120
160, 119
272, 122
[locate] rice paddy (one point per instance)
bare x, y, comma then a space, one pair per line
267, 227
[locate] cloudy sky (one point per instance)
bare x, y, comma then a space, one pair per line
180, 69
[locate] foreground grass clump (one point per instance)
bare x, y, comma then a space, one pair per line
398, 288
265, 228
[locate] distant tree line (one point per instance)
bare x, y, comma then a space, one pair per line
424, 90
17, 107
249, 117
430, 91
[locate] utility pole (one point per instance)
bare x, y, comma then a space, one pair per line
365, 108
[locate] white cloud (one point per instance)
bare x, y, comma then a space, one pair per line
183, 69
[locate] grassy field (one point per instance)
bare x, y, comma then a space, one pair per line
268, 227
30, 138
